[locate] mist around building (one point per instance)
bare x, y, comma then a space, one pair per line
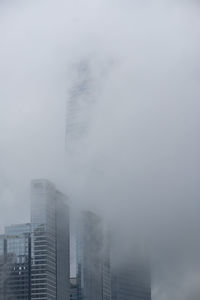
35, 257
101, 97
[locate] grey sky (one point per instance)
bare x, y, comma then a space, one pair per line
138, 164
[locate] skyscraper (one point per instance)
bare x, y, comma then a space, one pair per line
79, 104
62, 247
131, 281
106, 267
2, 265
73, 289
2, 244
16, 267
50, 242
92, 264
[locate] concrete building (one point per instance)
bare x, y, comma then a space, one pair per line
50, 242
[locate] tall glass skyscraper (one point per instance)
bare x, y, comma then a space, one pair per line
79, 105
131, 281
2, 244
106, 269
50, 242
73, 289
92, 264
16, 267
2, 265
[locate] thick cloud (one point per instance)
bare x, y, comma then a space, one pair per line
137, 161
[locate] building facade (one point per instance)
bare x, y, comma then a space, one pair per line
16, 267
92, 264
2, 244
106, 269
79, 105
62, 247
2, 265
50, 242
131, 281
73, 289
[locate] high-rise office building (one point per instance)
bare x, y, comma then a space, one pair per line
106, 269
2, 265
50, 242
73, 289
131, 281
79, 105
16, 262
92, 264
130, 265
2, 244
18, 230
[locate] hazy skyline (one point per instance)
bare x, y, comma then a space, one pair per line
138, 164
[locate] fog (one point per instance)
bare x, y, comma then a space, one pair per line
137, 159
